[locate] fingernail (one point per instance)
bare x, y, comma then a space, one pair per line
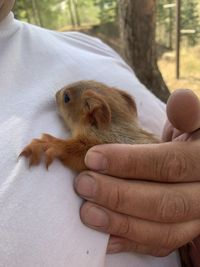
96, 217
85, 186
96, 161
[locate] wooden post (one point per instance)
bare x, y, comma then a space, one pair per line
178, 18
170, 28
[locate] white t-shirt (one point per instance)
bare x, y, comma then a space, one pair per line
39, 211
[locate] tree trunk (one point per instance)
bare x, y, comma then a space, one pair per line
39, 13
35, 13
137, 23
78, 20
71, 13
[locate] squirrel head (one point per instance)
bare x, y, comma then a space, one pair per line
93, 104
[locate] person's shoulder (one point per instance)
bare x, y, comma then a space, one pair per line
87, 42
76, 39
65, 36
82, 38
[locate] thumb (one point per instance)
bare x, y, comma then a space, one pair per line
183, 110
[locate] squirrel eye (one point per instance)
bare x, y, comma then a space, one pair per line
66, 98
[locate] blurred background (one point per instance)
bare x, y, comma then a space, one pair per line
101, 18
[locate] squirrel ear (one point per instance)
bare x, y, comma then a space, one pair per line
96, 110
129, 99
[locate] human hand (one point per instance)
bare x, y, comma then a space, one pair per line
153, 205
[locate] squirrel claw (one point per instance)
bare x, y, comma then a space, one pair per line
48, 145
34, 160
25, 153
49, 155
33, 152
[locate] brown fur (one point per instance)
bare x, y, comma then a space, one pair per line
95, 114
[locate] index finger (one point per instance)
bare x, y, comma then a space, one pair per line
166, 162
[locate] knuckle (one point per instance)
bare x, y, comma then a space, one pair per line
123, 228
173, 239
129, 166
107, 193
173, 166
173, 207
115, 198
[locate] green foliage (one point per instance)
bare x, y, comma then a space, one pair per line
166, 22
108, 10
21, 10
38, 12
56, 14
67, 14
190, 19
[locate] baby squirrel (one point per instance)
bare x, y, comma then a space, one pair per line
95, 114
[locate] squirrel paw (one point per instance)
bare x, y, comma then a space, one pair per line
51, 146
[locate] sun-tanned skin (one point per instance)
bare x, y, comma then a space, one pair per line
95, 114
5, 7
180, 118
